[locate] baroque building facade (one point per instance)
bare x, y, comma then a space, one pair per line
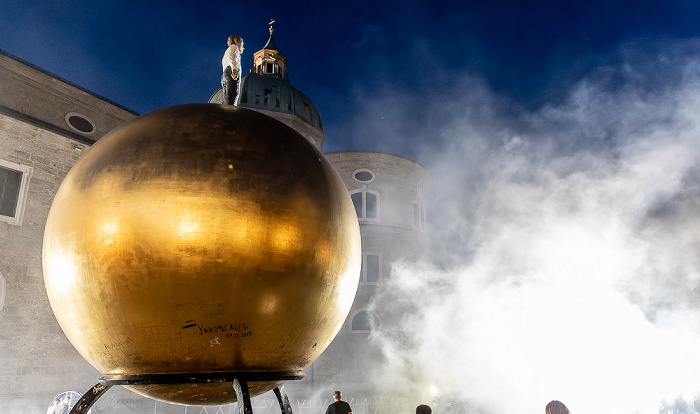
47, 123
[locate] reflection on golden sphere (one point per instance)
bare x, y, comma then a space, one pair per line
201, 238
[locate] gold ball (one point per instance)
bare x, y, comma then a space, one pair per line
201, 238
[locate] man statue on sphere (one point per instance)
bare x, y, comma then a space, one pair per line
231, 63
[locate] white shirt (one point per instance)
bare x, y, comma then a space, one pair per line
232, 57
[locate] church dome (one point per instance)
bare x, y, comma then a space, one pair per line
274, 94
269, 93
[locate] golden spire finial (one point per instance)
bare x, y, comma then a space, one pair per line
271, 29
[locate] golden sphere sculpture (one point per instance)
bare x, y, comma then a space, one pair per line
201, 238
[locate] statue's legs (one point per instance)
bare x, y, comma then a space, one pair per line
229, 87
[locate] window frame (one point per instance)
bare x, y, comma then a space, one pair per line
364, 192
422, 221
363, 267
362, 331
26, 172
354, 173
69, 115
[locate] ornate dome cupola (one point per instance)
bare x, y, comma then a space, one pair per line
269, 60
266, 89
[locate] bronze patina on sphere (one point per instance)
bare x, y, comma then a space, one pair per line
200, 239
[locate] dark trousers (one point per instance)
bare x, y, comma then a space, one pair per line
229, 87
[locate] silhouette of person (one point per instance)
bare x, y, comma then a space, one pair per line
556, 407
424, 409
339, 406
680, 405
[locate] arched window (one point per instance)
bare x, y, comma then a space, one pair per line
2, 291
366, 204
364, 321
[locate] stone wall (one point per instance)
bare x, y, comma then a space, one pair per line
36, 361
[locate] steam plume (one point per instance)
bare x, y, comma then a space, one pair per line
566, 245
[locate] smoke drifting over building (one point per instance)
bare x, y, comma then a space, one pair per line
566, 243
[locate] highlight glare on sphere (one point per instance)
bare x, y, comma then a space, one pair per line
201, 238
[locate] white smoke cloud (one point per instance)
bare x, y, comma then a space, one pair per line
567, 246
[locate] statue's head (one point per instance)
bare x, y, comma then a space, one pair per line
236, 40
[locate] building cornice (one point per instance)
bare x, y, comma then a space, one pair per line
45, 125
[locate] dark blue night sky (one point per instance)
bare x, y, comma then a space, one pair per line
147, 55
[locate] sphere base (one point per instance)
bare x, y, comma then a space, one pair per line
239, 381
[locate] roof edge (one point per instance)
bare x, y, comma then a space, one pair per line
45, 125
44, 71
378, 153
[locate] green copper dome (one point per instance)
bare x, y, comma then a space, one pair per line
275, 94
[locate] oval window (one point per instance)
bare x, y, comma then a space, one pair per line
364, 176
80, 123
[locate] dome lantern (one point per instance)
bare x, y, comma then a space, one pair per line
269, 60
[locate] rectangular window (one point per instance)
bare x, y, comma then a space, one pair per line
366, 205
14, 182
10, 181
371, 269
